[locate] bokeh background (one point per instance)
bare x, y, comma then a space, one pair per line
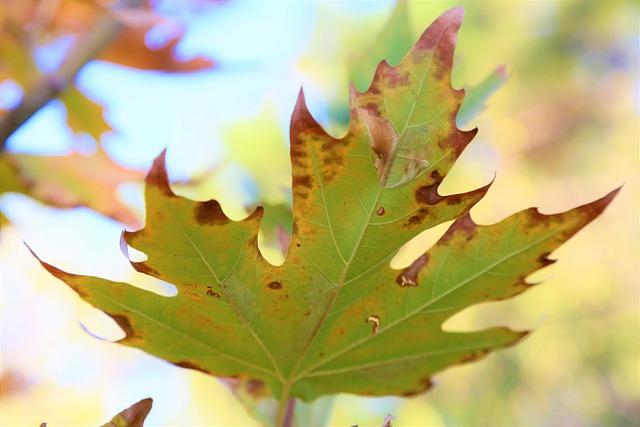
563, 130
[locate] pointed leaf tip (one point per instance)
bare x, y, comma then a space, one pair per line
302, 121
134, 416
56, 272
595, 208
455, 14
158, 176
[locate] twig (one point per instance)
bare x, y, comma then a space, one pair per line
52, 84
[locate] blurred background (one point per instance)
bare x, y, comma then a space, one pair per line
215, 82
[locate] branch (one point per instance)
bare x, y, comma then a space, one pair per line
52, 84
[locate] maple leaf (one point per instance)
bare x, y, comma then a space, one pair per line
69, 181
335, 317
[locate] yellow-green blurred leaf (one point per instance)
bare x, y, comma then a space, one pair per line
250, 142
476, 96
84, 115
393, 42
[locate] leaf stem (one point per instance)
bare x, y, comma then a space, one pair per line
286, 408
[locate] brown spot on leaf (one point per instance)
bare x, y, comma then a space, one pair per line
252, 243
157, 175
428, 194
409, 276
302, 181
191, 365
393, 77
380, 211
297, 153
375, 321
210, 213
435, 175
423, 385
124, 323
328, 145
463, 225
417, 218
372, 108
255, 387
212, 293
275, 285
146, 269
474, 356
544, 259
332, 159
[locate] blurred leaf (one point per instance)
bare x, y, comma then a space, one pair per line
393, 42
15, 60
276, 229
84, 115
335, 317
10, 180
129, 49
25, 25
70, 181
133, 416
250, 142
11, 382
255, 397
476, 96
314, 414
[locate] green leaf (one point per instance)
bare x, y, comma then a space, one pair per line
335, 317
133, 416
474, 101
84, 115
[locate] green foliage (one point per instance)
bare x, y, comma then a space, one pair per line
335, 317
476, 96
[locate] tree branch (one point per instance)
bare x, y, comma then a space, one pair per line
52, 84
